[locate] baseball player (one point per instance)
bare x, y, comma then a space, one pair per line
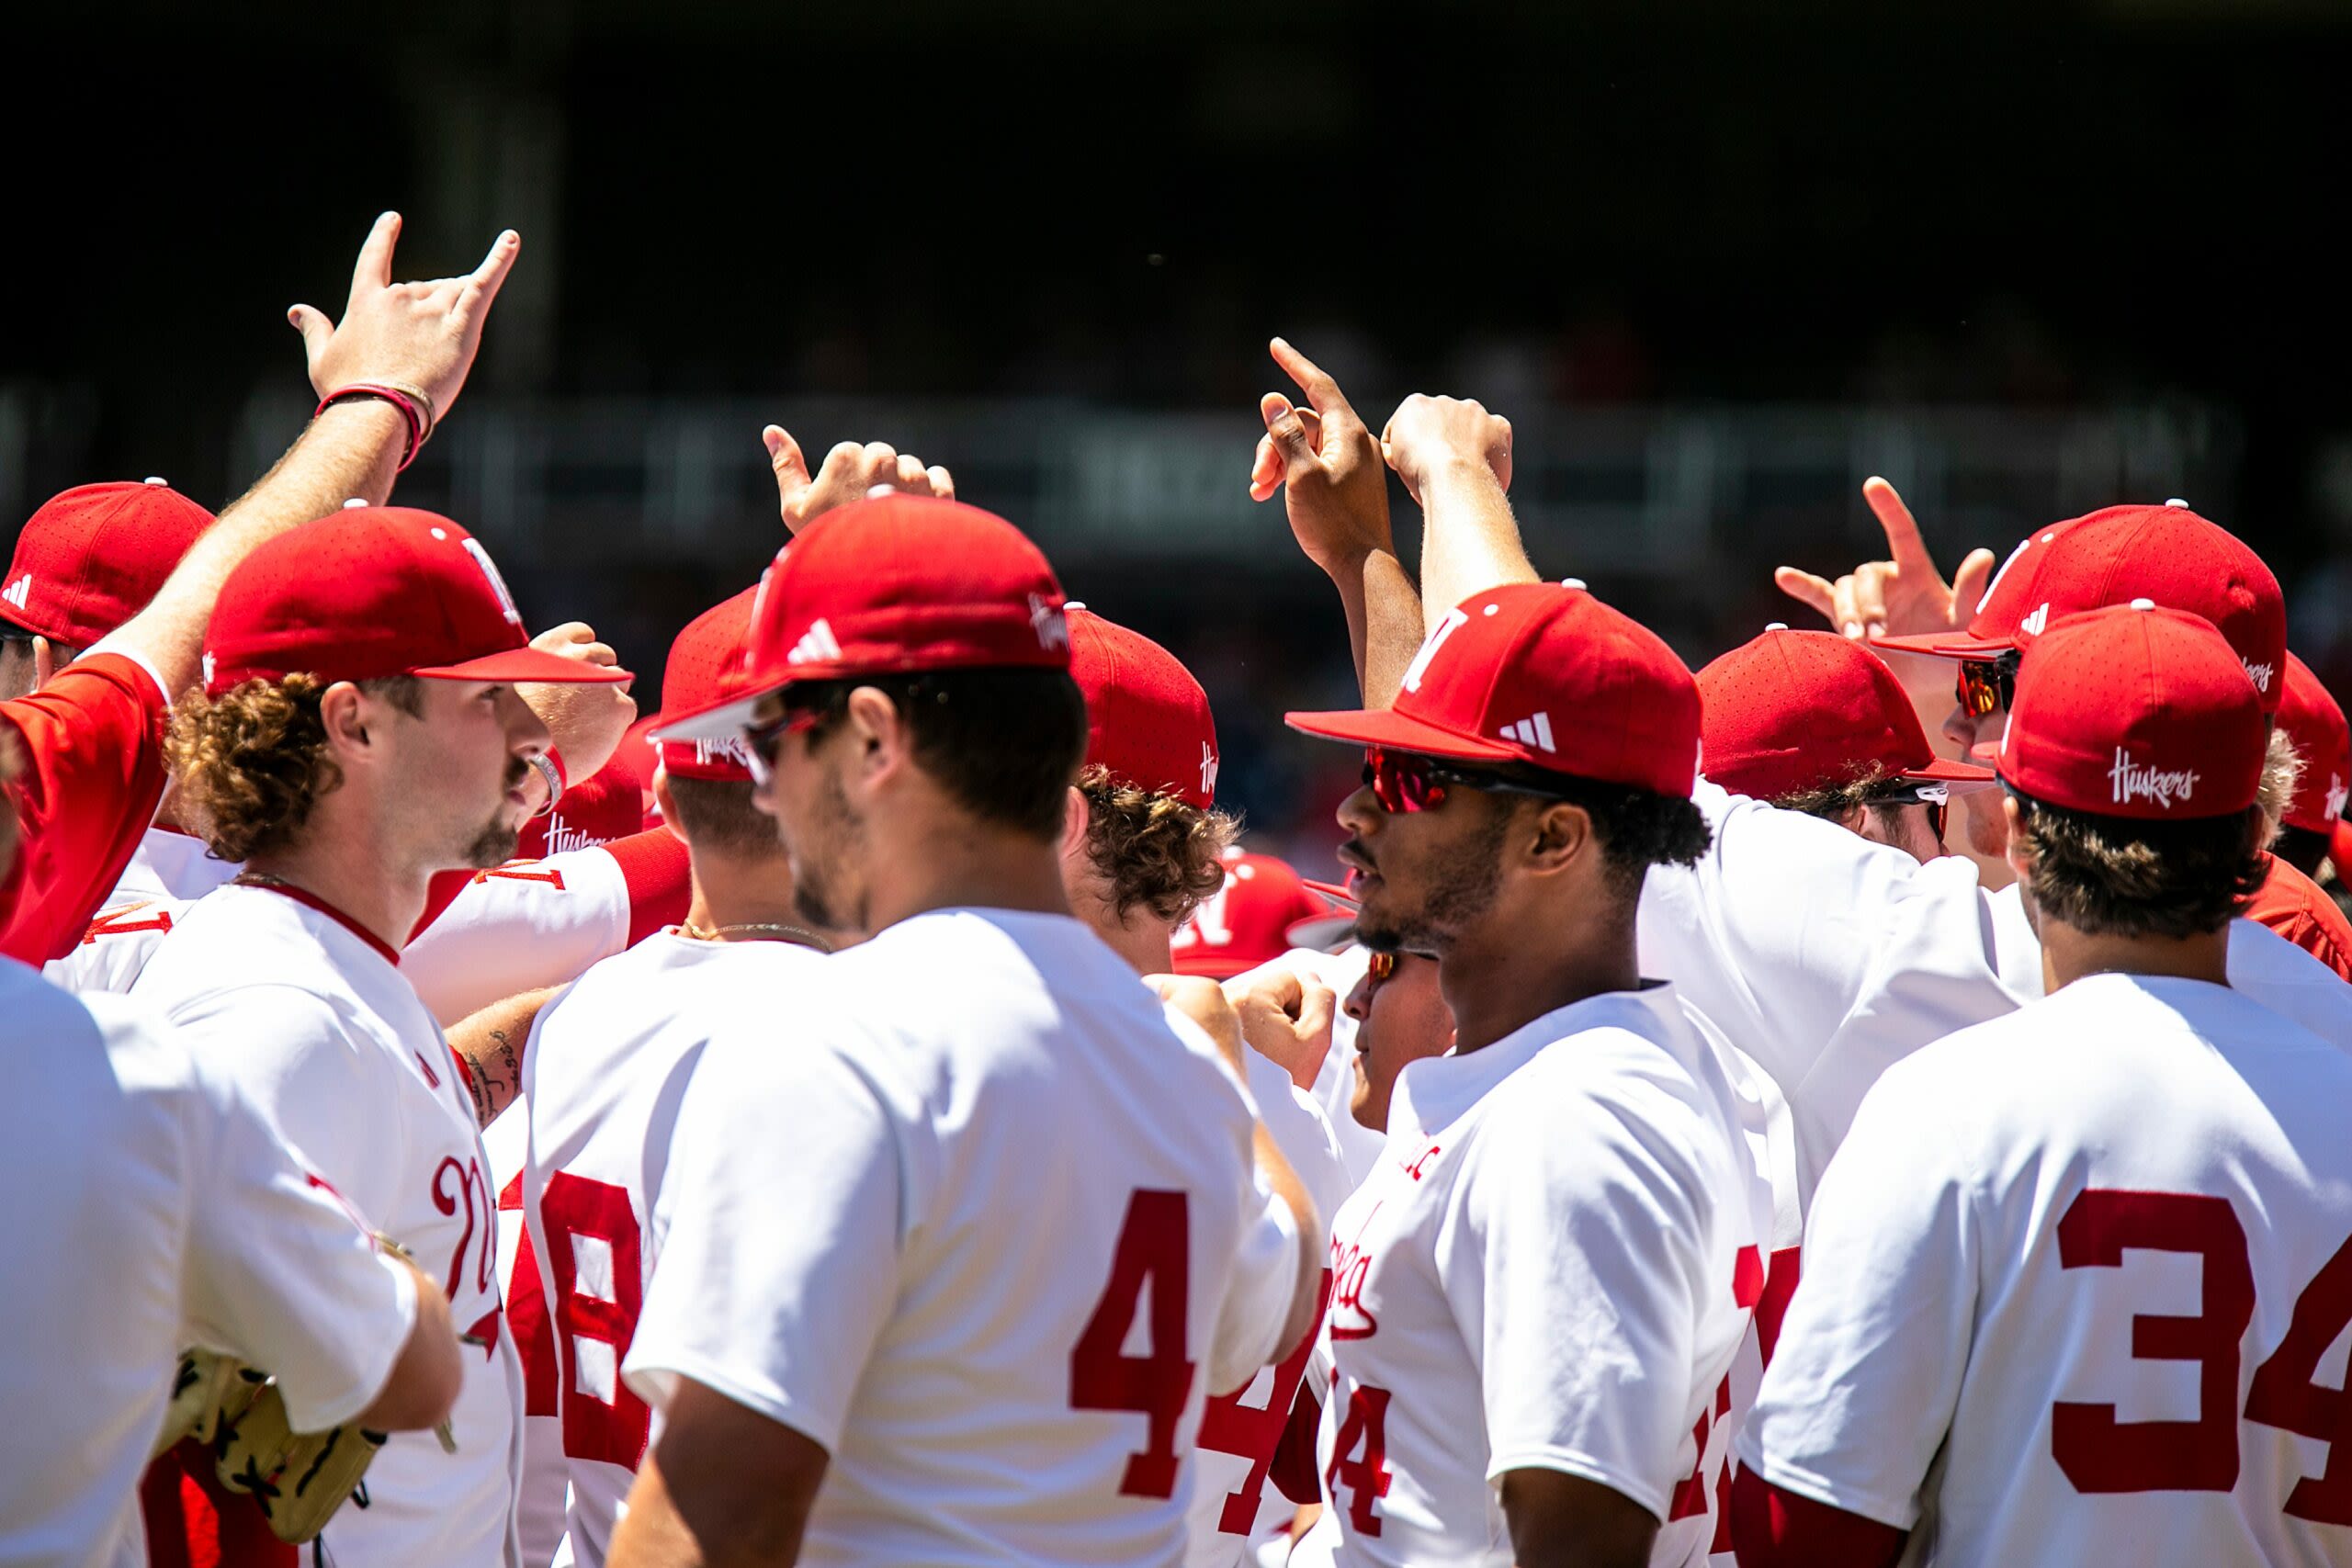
602, 1072
1262, 910
91, 740
2311, 719
358, 730
1145, 841
1822, 957
172, 1217
1817, 723
1010, 1239
2171, 555
1537, 1295
87, 561
2072, 1275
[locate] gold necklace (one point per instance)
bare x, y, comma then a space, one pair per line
768, 928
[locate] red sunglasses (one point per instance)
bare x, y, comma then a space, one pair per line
1406, 782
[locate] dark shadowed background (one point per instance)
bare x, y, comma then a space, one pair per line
1717, 263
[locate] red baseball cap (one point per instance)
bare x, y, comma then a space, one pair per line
1795, 711
2166, 554
1264, 909
92, 558
2314, 722
637, 752
607, 805
2135, 711
894, 584
1147, 719
1545, 674
372, 593
706, 664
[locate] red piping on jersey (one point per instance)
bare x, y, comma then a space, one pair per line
1772, 1526
309, 899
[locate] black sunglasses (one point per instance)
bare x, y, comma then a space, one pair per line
1935, 797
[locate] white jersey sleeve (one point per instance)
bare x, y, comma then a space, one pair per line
114, 950
521, 927
282, 1274
1862, 1384
777, 1318
1825, 957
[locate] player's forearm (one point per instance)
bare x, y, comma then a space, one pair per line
427, 1375
352, 449
488, 1046
1291, 1193
1469, 539
1383, 624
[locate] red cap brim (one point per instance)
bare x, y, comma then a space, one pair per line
722, 720
1943, 770
526, 664
1943, 645
1385, 727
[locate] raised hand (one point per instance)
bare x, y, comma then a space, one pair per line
1285, 1016
849, 472
584, 721
1903, 596
1426, 434
1324, 459
421, 336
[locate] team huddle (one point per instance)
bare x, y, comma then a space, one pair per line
873, 1109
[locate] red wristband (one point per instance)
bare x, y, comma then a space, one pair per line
420, 420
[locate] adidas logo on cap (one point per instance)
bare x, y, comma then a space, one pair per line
815, 645
1534, 731
18, 592
2032, 626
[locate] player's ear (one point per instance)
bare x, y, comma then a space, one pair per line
1559, 836
342, 715
1076, 817
2020, 859
877, 734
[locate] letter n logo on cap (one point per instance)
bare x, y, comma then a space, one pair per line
1454, 620
497, 583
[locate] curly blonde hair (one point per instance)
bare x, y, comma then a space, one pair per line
1156, 852
252, 762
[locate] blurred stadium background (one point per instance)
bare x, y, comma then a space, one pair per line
1717, 263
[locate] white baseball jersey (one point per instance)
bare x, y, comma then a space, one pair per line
1233, 1506
603, 1077
2076, 1288
154, 1208
1827, 958
170, 864
309, 1015
1551, 1270
521, 927
981, 1222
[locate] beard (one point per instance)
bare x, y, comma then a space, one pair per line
834, 835
1459, 891
494, 845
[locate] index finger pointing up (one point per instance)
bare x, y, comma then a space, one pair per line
1323, 394
375, 266
1905, 547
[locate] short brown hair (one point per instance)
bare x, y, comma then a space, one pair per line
718, 815
1156, 852
252, 761
2120, 876
1837, 802
1004, 743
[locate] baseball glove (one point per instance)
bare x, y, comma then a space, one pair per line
297, 1479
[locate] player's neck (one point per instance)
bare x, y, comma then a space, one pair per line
1495, 983
2068, 955
349, 871
728, 894
1145, 943
963, 864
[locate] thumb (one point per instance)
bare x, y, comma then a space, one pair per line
315, 330
1317, 1003
1969, 583
786, 458
1287, 430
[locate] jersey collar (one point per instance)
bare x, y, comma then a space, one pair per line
311, 900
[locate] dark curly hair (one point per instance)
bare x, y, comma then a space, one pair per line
252, 761
2121, 877
1156, 852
